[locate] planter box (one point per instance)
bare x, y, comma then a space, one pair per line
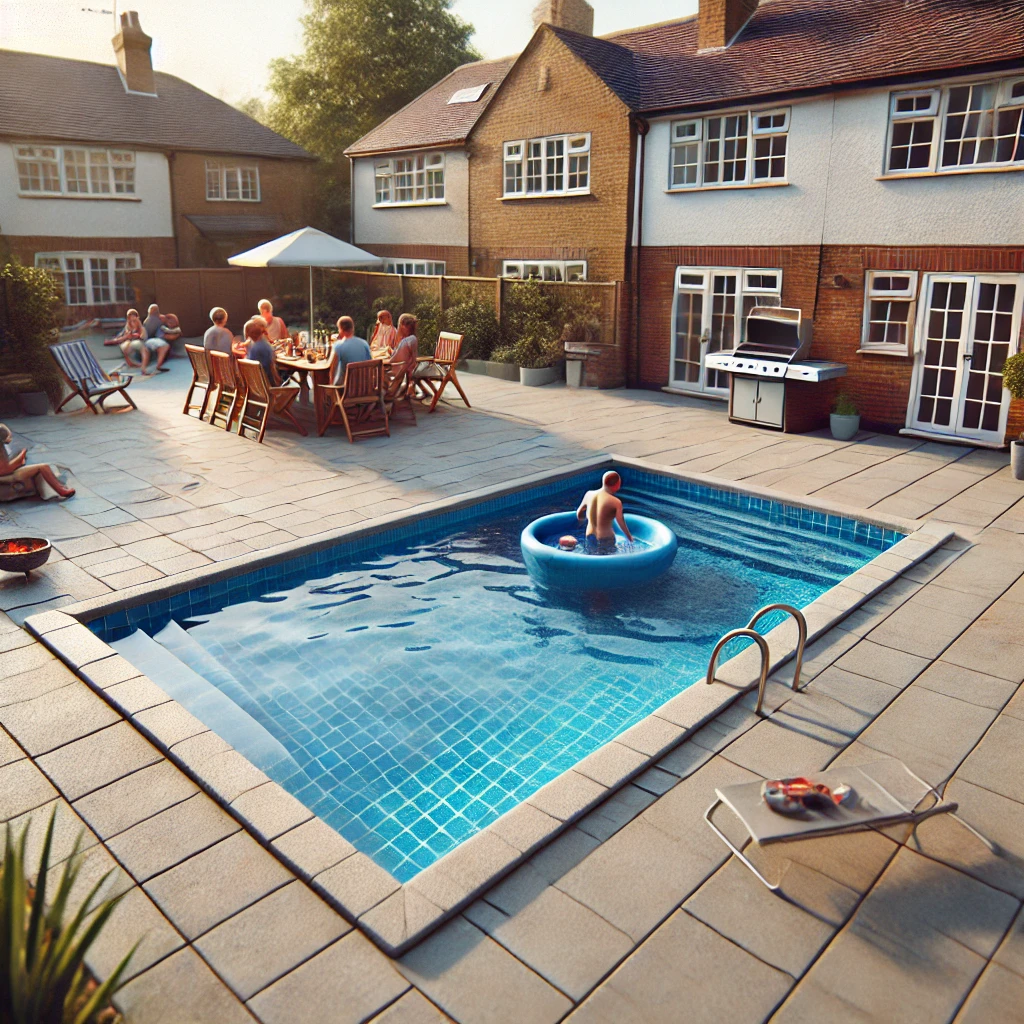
473, 365
34, 403
844, 428
503, 371
537, 377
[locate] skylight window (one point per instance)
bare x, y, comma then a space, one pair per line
470, 95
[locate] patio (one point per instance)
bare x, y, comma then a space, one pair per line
635, 914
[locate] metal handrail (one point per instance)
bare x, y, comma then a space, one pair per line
761, 643
801, 625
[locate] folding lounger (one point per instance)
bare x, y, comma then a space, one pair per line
86, 378
886, 792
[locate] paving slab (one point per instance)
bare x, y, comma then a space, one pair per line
998, 995
412, 1008
897, 668
966, 684
23, 787
57, 717
312, 847
269, 811
356, 884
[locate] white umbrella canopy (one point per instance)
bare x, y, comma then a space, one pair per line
310, 248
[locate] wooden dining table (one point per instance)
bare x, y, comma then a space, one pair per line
318, 371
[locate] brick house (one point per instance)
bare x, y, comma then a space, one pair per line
109, 168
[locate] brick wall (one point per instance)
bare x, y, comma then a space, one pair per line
591, 227
456, 257
285, 188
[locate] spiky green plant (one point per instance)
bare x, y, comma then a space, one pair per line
43, 978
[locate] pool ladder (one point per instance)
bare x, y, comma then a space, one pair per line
751, 633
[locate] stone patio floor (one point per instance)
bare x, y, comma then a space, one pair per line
636, 914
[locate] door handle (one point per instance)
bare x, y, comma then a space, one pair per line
967, 356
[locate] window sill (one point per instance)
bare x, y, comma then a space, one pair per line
209, 200
948, 172
544, 195
414, 202
75, 195
725, 188
900, 353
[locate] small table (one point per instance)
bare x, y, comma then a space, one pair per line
320, 371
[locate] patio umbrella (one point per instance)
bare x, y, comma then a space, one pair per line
310, 248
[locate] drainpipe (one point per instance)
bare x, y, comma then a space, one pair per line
174, 208
351, 202
642, 127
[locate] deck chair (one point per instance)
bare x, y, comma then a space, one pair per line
200, 380
224, 378
886, 792
434, 373
262, 402
356, 403
398, 395
86, 378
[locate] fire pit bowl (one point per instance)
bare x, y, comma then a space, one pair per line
23, 554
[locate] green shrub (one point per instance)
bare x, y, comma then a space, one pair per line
504, 354
29, 315
478, 325
844, 405
42, 956
428, 324
529, 325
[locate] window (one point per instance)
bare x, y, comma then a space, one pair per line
890, 301
959, 127
93, 278
744, 148
545, 270
468, 95
232, 184
75, 171
418, 178
558, 165
416, 268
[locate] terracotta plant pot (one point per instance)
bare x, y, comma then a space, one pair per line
844, 428
1017, 459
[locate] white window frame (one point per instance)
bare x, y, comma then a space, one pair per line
224, 182
425, 172
937, 114
100, 166
875, 290
544, 270
555, 167
409, 266
699, 137
104, 291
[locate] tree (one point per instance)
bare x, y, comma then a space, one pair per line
362, 61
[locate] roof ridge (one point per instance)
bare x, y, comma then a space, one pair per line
609, 36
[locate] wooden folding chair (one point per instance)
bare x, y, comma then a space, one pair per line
434, 373
224, 378
357, 400
262, 401
200, 380
86, 378
398, 395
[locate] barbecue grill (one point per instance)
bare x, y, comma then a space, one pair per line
775, 342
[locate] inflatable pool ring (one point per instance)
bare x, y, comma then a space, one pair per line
584, 569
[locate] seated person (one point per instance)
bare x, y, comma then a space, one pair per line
218, 338
405, 357
154, 341
602, 509
14, 471
161, 325
277, 330
384, 336
132, 339
347, 349
259, 348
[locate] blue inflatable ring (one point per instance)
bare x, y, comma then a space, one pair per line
579, 569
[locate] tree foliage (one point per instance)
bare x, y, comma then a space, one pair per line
29, 308
362, 60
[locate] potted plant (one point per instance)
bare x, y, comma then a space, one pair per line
539, 361
845, 420
502, 363
1013, 381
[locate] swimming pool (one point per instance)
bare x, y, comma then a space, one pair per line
421, 684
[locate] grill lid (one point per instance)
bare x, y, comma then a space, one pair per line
775, 333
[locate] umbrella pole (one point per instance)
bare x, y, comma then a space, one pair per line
311, 305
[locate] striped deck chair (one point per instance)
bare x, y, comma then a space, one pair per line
86, 378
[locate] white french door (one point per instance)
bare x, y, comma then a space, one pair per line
968, 327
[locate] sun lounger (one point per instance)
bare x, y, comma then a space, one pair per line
434, 373
886, 792
262, 402
86, 378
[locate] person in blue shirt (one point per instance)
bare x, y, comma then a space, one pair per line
260, 349
347, 349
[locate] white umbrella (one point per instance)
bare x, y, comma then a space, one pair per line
310, 248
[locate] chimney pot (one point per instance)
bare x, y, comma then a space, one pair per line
574, 15
132, 48
718, 21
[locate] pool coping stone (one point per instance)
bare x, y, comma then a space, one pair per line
379, 905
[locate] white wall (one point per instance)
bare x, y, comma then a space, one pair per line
834, 195
446, 224
149, 216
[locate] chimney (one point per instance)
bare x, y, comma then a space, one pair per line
720, 20
132, 45
575, 15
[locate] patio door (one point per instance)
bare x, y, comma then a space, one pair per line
705, 319
969, 326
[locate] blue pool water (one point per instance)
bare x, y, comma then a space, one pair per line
424, 689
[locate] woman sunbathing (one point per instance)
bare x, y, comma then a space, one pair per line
14, 471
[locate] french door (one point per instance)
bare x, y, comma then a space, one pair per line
968, 327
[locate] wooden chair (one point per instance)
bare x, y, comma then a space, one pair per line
262, 401
398, 395
200, 380
434, 373
357, 400
224, 378
86, 378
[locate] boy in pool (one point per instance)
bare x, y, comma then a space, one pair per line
602, 509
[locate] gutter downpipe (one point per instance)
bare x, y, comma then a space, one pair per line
351, 202
642, 128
